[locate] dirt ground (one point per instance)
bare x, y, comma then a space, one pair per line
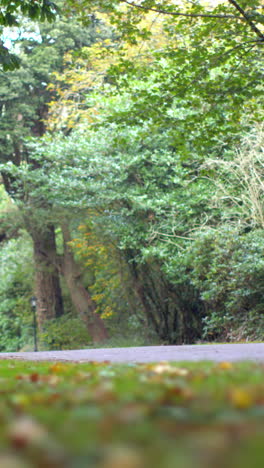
217, 352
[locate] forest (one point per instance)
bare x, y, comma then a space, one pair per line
132, 172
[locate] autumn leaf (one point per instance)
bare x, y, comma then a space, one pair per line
164, 367
225, 365
135, 415
57, 368
241, 398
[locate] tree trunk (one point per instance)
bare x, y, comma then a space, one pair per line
47, 283
174, 312
80, 296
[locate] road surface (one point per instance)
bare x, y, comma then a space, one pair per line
218, 352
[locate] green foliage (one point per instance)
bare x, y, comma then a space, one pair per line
11, 13
24, 97
24, 94
66, 332
127, 15
16, 273
228, 269
226, 261
141, 156
151, 200
11, 220
8, 60
137, 188
238, 182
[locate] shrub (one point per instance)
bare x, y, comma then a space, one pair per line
16, 273
228, 269
66, 332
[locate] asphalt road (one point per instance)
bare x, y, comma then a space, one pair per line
219, 352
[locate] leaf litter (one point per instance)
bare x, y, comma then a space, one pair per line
105, 415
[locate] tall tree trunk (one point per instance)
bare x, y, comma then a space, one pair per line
80, 296
47, 283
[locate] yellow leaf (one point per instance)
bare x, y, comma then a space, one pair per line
225, 365
241, 398
165, 367
58, 367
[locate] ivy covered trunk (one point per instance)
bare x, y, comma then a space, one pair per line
47, 282
80, 296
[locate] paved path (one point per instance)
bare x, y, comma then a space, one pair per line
219, 352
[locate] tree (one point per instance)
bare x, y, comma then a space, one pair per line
218, 63
10, 16
135, 140
106, 274
150, 129
115, 183
23, 111
127, 14
12, 11
226, 258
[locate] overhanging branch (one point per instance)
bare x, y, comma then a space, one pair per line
247, 19
190, 15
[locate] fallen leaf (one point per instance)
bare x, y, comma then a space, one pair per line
225, 365
184, 393
241, 398
58, 367
164, 367
52, 380
34, 377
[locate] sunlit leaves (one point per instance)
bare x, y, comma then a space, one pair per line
86, 82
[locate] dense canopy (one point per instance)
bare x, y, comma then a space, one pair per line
132, 171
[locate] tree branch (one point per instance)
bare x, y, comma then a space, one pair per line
238, 46
190, 15
247, 19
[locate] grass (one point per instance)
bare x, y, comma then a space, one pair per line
104, 415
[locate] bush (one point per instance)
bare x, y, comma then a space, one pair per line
66, 332
16, 274
228, 269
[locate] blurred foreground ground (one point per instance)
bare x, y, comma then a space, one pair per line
144, 415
